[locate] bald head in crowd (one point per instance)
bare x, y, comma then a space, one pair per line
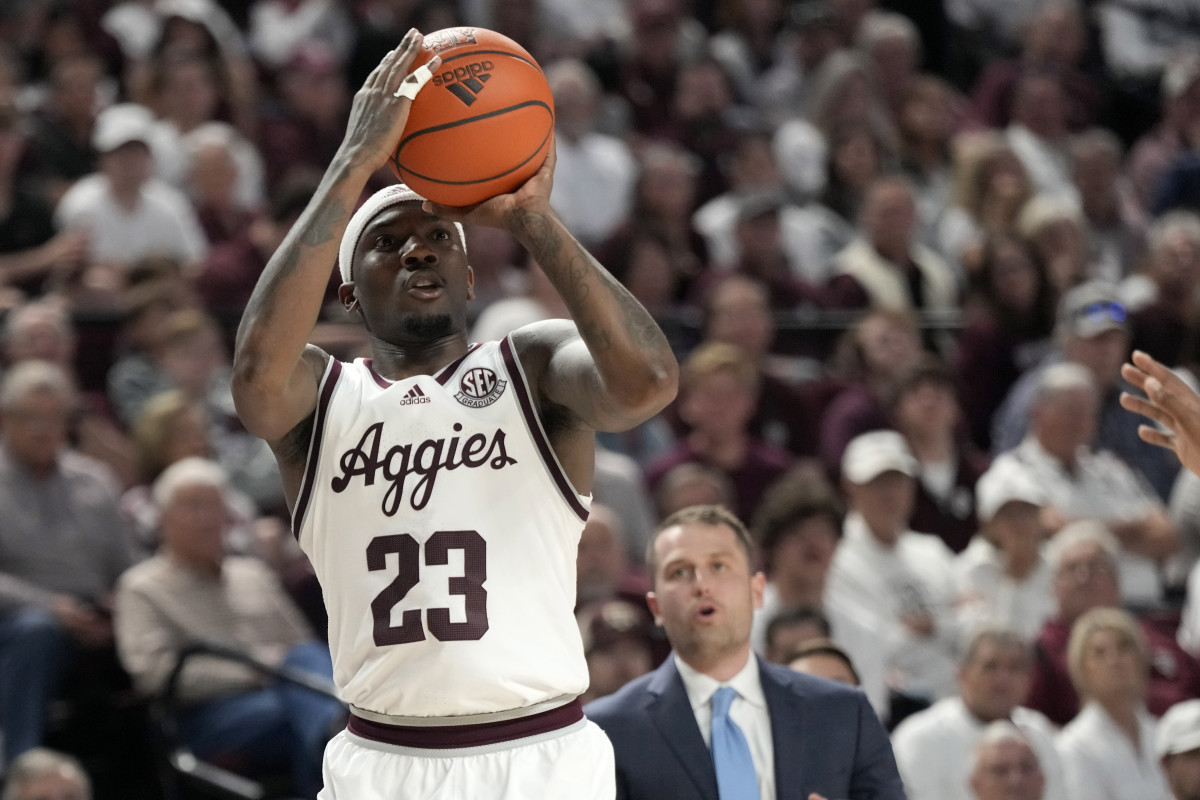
1005, 766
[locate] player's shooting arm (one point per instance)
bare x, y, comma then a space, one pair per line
618, 370
275, 372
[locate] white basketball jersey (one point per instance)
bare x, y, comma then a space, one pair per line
444, 533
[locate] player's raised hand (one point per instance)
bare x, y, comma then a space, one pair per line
1170, 402
380, 109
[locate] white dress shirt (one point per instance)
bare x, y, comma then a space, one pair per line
749, 712
1099, 761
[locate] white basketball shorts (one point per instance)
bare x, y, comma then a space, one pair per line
574, 762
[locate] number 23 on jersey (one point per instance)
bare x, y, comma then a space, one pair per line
436, 553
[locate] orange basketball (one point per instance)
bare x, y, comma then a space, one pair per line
481, 126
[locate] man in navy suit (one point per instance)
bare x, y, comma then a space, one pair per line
808, 738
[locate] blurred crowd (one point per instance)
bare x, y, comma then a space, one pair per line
901, 248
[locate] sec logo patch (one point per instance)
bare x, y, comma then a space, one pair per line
479, 387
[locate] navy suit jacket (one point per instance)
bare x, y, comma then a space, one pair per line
826, 739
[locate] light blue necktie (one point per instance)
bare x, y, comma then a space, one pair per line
736, 778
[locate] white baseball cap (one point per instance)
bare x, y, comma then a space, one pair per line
121, 124
1179, 729
1005, 481
871, 454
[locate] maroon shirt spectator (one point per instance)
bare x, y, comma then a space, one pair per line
924, 409
305, 134
230, 271
1083, 558
1177, 132
1055, 39
1165, 327
1009, 316
738, 311
880, 348
717, 396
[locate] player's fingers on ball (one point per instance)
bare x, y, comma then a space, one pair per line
401, 65
416, 80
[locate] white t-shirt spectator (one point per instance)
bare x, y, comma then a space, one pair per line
163, 223
934, 749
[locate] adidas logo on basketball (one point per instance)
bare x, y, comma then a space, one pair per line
414, 397
467, 81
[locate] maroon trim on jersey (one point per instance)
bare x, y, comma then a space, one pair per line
383, 382
539, 435
314, 452
446, 372
449, 737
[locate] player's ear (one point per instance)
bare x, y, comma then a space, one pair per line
470, 284
346, 295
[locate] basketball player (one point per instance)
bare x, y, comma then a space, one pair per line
440, 487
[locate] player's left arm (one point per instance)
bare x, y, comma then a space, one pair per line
613, 367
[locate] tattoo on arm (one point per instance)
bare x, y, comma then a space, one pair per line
547, 247
319, 229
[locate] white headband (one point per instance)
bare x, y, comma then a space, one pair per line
376, 204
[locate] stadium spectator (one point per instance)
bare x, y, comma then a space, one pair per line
1177, 745
886, 267
933, 747
717, 392
1107, 750
1091, 329
1004, 766
1054, 39
192, 591
898, 580
125, 212
619, 643
1003, 574
595, 173
823, 658
63, 547
1083, 558
798, 529
925, 410
1008, 318
871, 357
1083, 483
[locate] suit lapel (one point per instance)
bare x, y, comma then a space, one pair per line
671, 712
787, 711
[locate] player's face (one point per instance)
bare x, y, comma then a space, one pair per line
412, 281
705, 591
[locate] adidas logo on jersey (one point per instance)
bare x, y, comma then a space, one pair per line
414, 397
467, 81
